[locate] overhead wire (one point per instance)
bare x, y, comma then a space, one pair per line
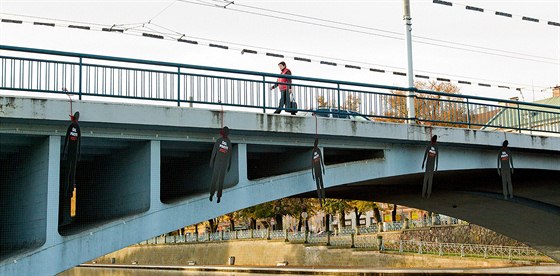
203, 3
391, 32
498, 13
168, 36
163, 10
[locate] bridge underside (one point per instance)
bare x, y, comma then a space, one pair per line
532, 216
141, 176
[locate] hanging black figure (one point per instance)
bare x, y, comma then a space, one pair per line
72, 143
431, 156
317, 171
505, 169
220, 163
71, 155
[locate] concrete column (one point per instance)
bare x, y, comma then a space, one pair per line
155, 171
242, 158
24, 192
53, 191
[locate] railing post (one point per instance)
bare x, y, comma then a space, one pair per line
420, 247
462, 250
352, 237
468, 114
518, 118
236, 234
80, 80
208, 236
264, 94
536, 252
305, 236
328, 238
441, 249
400, 246
179, 86
267, 233
485, 252
338, 92
221, 235
251, 233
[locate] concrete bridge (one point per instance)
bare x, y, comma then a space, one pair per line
144, 171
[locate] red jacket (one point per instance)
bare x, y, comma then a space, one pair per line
283, 87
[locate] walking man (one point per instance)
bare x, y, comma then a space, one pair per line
285, 88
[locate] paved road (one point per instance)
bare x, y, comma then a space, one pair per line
87, 270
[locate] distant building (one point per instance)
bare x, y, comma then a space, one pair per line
533, 120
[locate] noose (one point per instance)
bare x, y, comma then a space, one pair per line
316, 131
70, 98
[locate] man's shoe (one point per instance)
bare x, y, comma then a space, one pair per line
277, 112
218, 201
210, 198
293, 113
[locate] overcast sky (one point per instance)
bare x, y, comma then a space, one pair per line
524, 54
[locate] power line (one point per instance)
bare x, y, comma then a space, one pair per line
498, 13
385, 31
202, 3
164, 9
212, 43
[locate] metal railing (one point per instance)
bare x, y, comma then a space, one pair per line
369, 241
37, 70
465, 250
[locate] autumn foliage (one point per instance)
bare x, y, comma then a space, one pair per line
430, 109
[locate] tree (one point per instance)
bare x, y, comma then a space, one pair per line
360, 207
337, 206
377, 213
231, 217
351, 102
213, 224
430, 109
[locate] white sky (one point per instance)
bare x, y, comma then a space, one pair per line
430, 20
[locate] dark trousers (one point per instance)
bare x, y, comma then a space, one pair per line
284, 100
427, 187
507, 187
217, 182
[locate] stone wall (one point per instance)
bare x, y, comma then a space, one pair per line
269, 253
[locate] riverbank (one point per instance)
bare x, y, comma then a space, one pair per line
139, 270
273, 253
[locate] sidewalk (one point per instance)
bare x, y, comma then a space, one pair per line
551, 269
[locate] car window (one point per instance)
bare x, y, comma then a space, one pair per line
343, 114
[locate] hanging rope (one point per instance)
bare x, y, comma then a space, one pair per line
222, 114
316, 132
69, 97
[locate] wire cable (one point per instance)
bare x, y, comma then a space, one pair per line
169, 36
401, 35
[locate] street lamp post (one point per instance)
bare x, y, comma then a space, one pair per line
410, 94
